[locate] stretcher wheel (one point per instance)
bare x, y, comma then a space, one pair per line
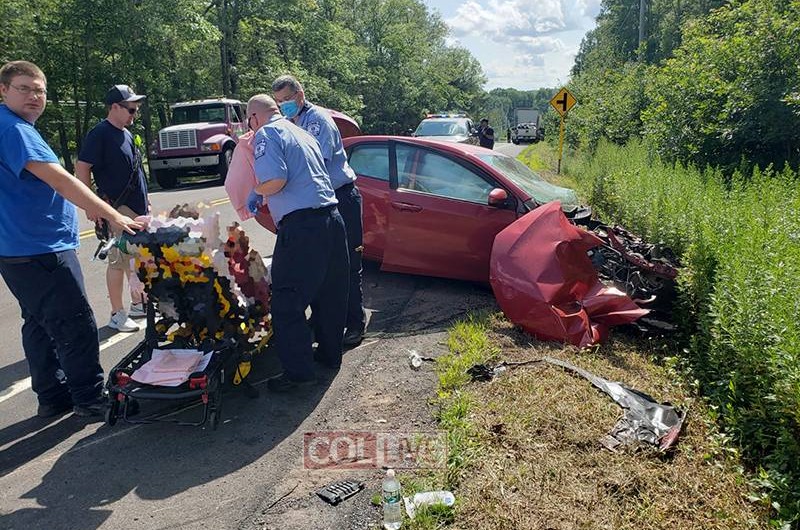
111, 413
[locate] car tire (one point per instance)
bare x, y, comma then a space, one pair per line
166, 179
225, 162
515, 141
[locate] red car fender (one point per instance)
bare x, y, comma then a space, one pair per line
544, 281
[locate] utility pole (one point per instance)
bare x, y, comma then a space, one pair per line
642, 22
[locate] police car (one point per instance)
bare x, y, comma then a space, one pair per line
448, 127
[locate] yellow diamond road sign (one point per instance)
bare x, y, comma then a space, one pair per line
563, 101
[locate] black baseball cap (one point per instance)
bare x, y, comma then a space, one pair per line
120, 93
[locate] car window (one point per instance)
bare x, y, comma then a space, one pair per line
539, 189
371, 161
428, 172
440, 128
195, 114
236, 114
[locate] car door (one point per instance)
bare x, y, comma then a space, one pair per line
440, 223
370, 161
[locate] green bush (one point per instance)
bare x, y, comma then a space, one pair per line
739, 303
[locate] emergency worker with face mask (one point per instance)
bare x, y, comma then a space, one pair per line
317, 121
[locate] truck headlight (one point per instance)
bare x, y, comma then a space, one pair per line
213, 147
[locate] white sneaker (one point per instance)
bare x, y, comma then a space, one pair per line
136, 310
120, 321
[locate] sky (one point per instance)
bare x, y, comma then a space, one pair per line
522, 44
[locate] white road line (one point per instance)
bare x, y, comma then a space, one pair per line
24, 384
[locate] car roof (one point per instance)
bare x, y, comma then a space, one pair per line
463, 148
205, 102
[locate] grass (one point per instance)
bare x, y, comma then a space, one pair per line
739, 241
541, 158
524, 450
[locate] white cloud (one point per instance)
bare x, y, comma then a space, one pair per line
538, 45
530, 61
524, 44
507, 20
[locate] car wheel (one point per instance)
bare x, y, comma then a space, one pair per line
225, 162
166, 179
515, 141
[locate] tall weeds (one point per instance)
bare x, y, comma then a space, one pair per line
739, 304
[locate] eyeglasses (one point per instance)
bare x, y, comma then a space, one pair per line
249, 126
131, 111
27, 91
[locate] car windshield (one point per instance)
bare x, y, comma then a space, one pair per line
214, 113
539, 189
441, 128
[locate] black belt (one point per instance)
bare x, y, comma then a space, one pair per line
346, 187
17, 260
306, 213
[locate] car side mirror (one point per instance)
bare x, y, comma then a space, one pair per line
498, 197
410, 132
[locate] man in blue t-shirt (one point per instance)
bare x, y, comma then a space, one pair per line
38, 238
289, 94
310, 259
109, 153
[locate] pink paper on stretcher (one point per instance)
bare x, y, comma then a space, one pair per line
171, 367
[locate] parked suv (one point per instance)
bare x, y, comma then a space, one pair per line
199, 140
448, 127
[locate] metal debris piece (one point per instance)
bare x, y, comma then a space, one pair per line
336, 492
484, 372
644, 418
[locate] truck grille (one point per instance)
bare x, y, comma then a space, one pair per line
177, 139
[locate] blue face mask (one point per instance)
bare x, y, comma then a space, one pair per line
289, 108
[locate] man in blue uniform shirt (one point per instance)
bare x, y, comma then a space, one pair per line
310, 260
289, 94
38, 238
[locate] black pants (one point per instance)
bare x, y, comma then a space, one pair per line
59, 334
350, 207
309, 267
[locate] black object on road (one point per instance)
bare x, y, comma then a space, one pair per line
336, 492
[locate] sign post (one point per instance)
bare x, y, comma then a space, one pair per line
562, 102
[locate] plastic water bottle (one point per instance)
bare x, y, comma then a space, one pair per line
392, 514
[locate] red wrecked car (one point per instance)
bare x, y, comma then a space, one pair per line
435, 209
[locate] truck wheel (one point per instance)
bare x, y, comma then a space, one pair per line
516, 141
225, 162
166, 179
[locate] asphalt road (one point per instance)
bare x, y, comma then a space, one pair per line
70, 473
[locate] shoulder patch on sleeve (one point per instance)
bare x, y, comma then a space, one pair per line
314, 128
260, 147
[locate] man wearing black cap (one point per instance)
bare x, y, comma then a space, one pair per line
111, 155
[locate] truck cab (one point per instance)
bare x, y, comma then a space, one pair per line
527, 132
199, 140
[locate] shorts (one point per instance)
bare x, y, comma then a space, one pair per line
117, 259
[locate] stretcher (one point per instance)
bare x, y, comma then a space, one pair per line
205, 299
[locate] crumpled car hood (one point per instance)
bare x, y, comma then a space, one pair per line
545, 283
